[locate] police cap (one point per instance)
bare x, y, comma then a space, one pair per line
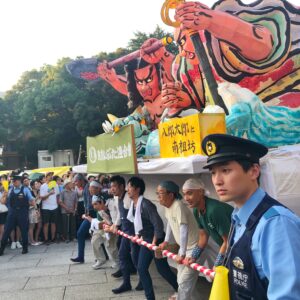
16, 177
223, 147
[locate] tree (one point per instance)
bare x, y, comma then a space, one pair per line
50, 109
141, 37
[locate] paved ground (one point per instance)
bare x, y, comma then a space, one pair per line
47, 273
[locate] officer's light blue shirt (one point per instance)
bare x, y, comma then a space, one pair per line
275, 246
26, 192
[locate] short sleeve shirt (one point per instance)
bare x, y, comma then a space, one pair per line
51, 202
26, 192
216, 220
179, 214
69, 198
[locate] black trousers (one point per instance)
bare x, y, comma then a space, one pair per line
16, 217
143, 259
127, 253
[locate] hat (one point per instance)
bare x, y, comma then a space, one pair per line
97, 199
95, 183
193, 184
17, 177
67, 181
172, 187
49, 173
223, 147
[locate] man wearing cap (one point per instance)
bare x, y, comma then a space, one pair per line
213, 218
50, 197
18, 201
99, 237
183, 226
94, 188
263, 255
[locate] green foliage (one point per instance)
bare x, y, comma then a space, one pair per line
140, 37
49, 109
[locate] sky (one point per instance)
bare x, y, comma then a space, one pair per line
38, 32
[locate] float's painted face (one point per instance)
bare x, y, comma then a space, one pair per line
186, 48
147, 82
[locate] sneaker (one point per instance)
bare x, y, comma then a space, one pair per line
35, 244
13, 246
77, 260
114, 265
18, 244
98, 264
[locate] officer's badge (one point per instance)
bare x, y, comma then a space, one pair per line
211, 148
238, 263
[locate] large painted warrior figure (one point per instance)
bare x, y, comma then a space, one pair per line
256, 46
143, 79
142, 84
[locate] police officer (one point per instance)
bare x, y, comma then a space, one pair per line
263, 254
18, 201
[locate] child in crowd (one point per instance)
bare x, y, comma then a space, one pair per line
100, 237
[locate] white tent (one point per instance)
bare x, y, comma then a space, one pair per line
280, 173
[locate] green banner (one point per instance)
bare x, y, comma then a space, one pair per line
112, 153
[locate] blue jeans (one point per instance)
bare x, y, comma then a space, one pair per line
145, 257
81, 235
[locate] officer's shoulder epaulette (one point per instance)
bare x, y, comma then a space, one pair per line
271, 212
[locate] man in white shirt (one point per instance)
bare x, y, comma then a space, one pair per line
183, 227
50, 197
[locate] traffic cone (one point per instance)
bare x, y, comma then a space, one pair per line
220, 288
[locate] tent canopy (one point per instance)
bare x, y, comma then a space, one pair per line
35, 176
59, 171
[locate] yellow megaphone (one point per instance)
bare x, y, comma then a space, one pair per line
220, 288
5, 185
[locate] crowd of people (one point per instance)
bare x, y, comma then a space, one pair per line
55, 213
248, 236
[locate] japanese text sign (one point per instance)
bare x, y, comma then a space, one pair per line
182, 136
112, 153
